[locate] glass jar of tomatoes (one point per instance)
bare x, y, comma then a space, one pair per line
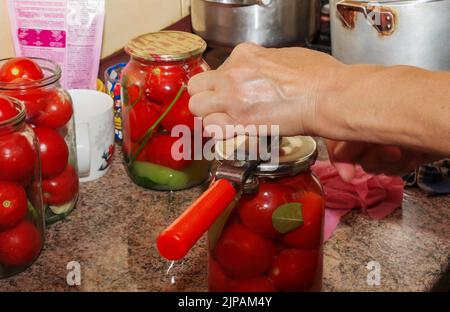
21, 208
270, 239
36, 82
158, 128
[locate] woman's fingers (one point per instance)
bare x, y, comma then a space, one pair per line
346, 170
349, 151
206, 81
205, 103
215, 125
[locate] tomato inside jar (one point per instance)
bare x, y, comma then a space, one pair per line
271, 238
158, 128
21, 209
49, 112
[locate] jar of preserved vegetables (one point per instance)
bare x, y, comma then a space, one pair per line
36, 82
265, 221
156, 101
275, 227
21, 207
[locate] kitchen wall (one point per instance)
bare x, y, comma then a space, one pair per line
124, 20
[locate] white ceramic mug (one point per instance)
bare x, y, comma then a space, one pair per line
94, 126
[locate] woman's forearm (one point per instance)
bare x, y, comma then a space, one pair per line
398, 105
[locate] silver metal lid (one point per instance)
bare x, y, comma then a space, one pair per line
296, 154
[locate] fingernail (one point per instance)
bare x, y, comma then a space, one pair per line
346, 171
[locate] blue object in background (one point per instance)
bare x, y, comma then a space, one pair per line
112, 84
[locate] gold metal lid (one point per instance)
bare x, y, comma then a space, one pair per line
296, 154
166, 46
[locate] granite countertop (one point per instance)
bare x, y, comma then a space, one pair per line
112, 233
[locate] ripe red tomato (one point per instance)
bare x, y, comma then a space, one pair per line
257, 284
132, 86
217, 280
295, 269
179, 114
34, 99
159, 151
303, 181
140, 118
243, 254
20, 245
56, 113
20, 67
164, 82
7, 109
17, 158
62, 188
13, 204
53, 150
197, 69
256, 210
309, 235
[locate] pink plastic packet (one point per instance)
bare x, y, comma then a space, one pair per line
68, 32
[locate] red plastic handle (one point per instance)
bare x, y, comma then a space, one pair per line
176, 240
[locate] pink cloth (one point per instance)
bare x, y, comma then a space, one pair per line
376, 195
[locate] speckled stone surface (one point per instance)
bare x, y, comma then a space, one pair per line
112, 235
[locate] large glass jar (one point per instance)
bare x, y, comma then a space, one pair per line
49, 112
158, 128
21, 207
271, 238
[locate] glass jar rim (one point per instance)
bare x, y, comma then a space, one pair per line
19, 118
49, 66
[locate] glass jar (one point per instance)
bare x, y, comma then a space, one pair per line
21, 207
158, 128
271, 237
49, 112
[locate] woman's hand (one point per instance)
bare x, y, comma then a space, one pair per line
258, 86
374, 158
402, 112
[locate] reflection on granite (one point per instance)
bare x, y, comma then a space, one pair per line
112, 235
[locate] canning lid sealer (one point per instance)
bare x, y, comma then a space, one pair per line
231, 179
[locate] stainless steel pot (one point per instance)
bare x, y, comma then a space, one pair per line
392, 32
271, 23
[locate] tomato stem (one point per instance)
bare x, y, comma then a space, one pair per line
135, 102
148, 134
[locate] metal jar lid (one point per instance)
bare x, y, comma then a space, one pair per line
296, 154
165, 46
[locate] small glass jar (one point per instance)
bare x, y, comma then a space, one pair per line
155, 112
21, 207
49, 112
271, 237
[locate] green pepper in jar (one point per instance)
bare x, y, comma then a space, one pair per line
155, 175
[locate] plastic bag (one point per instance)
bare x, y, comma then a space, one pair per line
68, 32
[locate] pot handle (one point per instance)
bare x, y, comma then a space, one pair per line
243, 2
382, 18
